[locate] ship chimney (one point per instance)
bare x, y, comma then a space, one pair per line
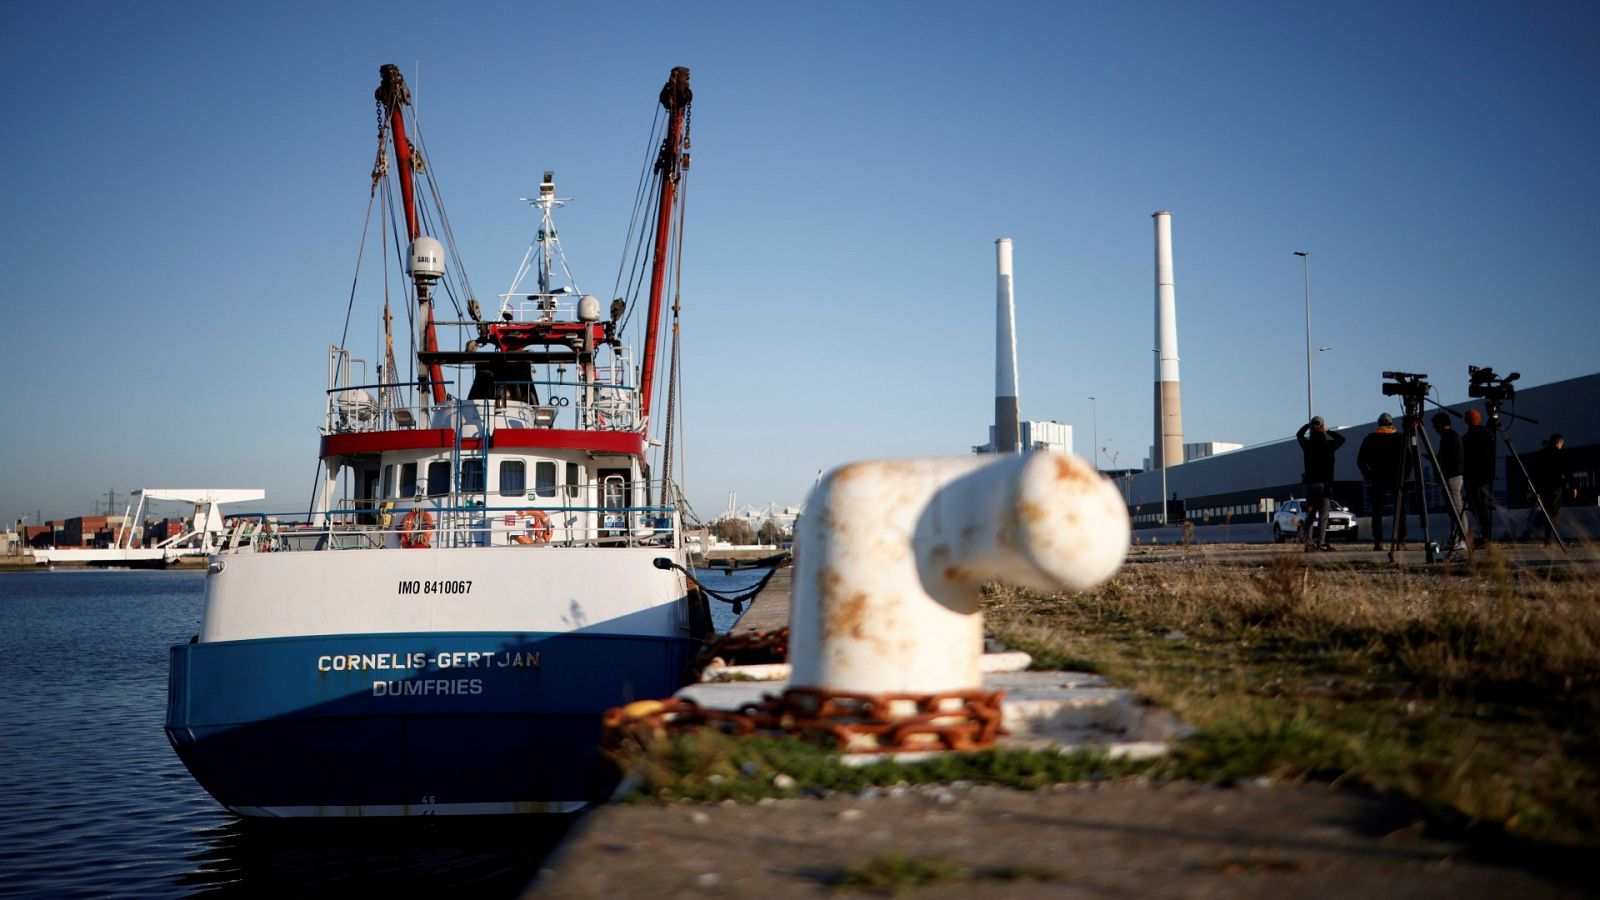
1169, 405
1007, 430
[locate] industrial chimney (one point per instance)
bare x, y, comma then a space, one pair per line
1169, 406
1007, 431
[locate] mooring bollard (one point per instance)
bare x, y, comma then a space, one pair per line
891, 554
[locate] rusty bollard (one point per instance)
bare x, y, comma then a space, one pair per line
891, 554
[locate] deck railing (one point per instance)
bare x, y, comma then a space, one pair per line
609, 403
437, 526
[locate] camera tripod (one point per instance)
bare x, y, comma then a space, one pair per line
1494, 426
1410, 476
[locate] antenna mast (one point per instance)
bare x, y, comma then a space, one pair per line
675, 96
393, 94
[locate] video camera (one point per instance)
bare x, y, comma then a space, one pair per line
1483, 382
1411, 386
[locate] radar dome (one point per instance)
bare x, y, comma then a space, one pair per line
427, 258
588, 308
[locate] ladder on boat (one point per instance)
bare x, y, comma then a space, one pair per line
470, 464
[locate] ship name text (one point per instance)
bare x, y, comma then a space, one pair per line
450, 659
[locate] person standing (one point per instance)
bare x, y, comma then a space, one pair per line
1450, 469
1552, 482
1317, 446
1477, 469
1379, 462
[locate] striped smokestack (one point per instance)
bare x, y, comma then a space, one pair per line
1169, 405
1007, 431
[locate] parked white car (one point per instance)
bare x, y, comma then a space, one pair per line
1291, 517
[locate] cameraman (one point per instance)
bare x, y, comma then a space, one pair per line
1379, 462
1477, 469
1551, 481
1318, 445
1450, 474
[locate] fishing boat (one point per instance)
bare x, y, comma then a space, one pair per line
494, 555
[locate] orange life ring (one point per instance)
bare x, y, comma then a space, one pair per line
539, 530
416, 528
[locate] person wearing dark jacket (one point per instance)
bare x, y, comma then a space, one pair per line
1477, 469
1317, 446
1450, 468
1552, 483
1379, 461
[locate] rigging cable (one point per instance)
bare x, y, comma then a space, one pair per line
639, 199
674, 386
410, 304
355, 279
390, 393
638, 273
460, 269
673, 430
380, 167
311, 508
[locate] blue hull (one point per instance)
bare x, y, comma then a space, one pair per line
409, 724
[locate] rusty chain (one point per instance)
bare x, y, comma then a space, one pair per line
746, 649
846, 721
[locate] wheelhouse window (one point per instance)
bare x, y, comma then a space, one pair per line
613, 499
438, 478
513, 478
572, 480
408, 480
472, 476
544, 479
388, 482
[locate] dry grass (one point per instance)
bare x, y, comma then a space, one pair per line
1473, 692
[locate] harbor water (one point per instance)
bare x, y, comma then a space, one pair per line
99, 805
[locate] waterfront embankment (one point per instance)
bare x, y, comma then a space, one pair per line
1360, 727
26, 563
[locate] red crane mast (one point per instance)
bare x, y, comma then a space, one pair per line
393, 94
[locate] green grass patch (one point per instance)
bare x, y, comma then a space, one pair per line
709, 767
896, 873
1473, 692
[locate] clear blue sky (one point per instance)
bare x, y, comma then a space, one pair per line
187, 181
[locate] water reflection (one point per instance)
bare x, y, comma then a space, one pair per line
497, 856
726, 581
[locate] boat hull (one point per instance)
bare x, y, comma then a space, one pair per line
441, 723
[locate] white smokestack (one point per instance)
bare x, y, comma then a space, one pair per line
1169, 404
1007, 431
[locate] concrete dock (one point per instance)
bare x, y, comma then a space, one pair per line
1128, 838
1134, 839
770, 610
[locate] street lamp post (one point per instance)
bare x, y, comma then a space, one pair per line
1305, 256
1127, 489
1095, 407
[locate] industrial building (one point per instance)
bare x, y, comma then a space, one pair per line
1036, 436
1245, 485
1194, 450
